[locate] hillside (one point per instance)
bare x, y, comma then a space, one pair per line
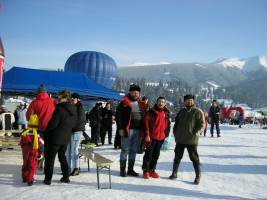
223, 72
192, 73
253, 92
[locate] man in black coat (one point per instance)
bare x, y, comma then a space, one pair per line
130, 123
95, 117
106, 123
57, 137
214, 118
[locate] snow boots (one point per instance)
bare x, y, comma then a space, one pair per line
65, 179
174, 170
122, 168
197, 171
131, 171
75, 172
196, 165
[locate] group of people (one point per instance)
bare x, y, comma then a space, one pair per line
101, 119
62, 122
136, 121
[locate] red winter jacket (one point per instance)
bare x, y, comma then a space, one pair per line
123, 113
44, 107
157, 123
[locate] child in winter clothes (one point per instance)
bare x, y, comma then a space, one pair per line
32, 150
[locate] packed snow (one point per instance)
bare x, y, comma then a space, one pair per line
234, 166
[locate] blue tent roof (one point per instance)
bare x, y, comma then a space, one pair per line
25, 80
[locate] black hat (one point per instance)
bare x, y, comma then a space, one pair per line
189, 96
75, 96
134, 87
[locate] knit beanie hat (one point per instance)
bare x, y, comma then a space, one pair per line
41, 88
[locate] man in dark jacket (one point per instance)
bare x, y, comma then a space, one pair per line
157, 121
106, 123
72, 150
57, 136
95, 117
117, 140
189, 123
214, 118
130, 122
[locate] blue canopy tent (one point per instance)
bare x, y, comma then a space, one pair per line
25, 81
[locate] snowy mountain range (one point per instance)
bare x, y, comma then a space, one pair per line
222, 73
246, 65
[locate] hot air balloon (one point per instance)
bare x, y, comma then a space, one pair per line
2, 57
97, 66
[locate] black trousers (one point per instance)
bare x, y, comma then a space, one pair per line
192, 152
117, 140
151, 156
51, 151
216, 123
103, 133
95, 134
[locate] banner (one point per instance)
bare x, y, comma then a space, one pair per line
1, 70
2, 58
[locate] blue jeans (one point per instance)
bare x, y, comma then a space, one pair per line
129, 145
72, 152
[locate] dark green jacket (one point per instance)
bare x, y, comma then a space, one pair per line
188, 125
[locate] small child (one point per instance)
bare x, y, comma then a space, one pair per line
32, 150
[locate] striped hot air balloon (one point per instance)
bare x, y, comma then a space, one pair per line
2, 58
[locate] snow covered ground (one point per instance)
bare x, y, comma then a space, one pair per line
233, 167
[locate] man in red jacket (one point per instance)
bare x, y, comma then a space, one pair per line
157, 121
44, 107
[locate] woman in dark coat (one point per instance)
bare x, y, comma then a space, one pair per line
58, 135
